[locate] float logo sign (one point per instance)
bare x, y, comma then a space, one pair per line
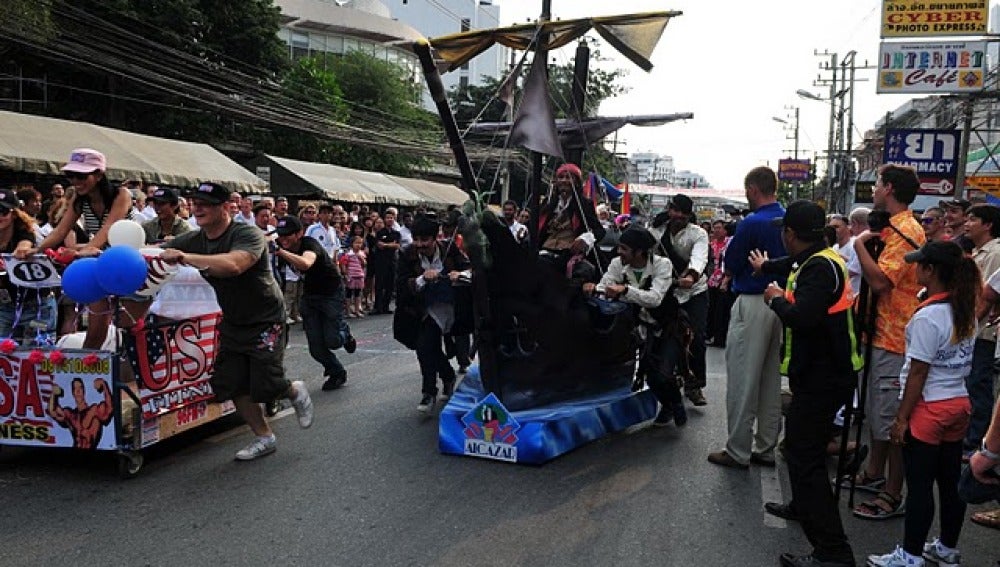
490, 431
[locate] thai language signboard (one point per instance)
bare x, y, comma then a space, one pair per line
794, 170
919, 18
933, 153
51, 398
931, 67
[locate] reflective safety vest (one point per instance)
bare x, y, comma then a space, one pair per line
843, 304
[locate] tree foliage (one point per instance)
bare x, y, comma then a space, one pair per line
382, 96
236, 39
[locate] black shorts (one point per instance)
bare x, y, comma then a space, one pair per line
250, 362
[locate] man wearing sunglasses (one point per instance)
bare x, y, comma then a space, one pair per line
933, 222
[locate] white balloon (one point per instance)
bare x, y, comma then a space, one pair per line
127, 233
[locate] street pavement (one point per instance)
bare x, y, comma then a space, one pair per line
367, 486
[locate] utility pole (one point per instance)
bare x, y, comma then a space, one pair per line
840, 160
963, 149
844, 151
830, 168
795, 135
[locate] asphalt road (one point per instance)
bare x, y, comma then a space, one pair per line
367, 486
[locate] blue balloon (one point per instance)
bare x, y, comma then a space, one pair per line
79, 281
121, 270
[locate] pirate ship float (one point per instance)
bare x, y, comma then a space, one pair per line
554, 371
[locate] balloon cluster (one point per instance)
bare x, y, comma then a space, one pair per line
120, 270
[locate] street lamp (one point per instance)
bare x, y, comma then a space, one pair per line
832, 101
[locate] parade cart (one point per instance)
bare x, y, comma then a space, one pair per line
143, 386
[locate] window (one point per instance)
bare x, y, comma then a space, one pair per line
317, 44
466, 25
300, 45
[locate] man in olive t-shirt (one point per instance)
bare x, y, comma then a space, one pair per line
248, 366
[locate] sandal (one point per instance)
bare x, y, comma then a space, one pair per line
862, 482
989, 518
874, 509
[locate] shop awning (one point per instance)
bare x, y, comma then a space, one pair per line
339, 183
433, 192
36, 144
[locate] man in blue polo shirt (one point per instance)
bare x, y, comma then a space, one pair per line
753, 385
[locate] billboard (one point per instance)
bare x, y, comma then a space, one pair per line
933, 153
916, 18
794, 170
931, 67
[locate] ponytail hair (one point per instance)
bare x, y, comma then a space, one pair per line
964, 282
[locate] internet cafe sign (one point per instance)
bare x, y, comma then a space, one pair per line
936, 68
920, 18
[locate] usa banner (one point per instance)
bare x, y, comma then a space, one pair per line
173, 363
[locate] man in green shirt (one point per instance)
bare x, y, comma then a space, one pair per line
248, 365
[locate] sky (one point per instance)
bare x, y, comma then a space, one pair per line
735, 65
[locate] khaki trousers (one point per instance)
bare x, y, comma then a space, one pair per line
753, 385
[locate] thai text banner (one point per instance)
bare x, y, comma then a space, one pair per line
794, 170
936, 68
933, 153
917, 18
61, 401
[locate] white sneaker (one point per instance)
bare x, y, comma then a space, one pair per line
426, 405
260, 447
936, 552
898, 558
303, 404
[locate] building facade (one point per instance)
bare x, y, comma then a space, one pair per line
435, 18
651, 168
336, 27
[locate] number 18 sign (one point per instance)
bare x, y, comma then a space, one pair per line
35, 272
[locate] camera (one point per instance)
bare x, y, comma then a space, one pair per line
878, 220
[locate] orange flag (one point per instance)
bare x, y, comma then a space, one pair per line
626, 200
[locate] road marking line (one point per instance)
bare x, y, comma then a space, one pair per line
770, 491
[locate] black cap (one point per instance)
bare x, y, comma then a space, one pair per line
637, 238
288, 225
805, 218
424, 227
211, 193
9, 200
936, 252
682, 203
946, 203
165, 195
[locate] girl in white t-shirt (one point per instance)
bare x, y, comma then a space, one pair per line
934, 412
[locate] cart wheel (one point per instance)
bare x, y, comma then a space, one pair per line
129, 464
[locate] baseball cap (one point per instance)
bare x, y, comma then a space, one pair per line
211, 193
936, 252
681, 203
8, 200
85, 160
165, 195
288, 225
804, 218
964, 204
281, 199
